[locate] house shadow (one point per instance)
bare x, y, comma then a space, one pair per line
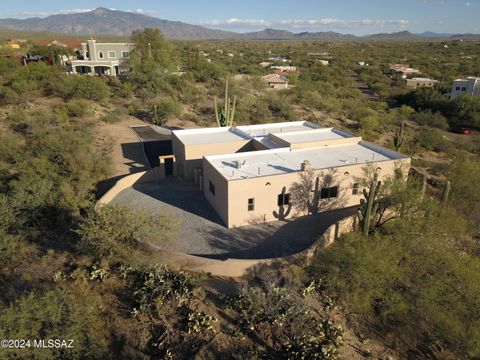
189, 201
134, 153
291, 238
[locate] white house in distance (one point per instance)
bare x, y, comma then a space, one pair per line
469, 86
101, 58
404, 70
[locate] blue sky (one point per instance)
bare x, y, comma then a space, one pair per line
357, 17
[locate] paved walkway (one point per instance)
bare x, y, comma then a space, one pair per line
201, 232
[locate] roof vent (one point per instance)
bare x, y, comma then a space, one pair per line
238, 164
305, 165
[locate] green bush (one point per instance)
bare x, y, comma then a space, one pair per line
112, 117
164, 109
431, 139
79, 108
427, 118
411, 282
113, 230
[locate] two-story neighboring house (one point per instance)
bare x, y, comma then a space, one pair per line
101, 58
469, 86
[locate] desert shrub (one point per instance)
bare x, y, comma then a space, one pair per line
63, 313
427, 118
113, 230
432, 140
112, 117
418, 300
465, 194
466, 111
279, 106
81, 86
164, 109
79, 107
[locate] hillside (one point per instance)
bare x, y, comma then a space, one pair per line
102, 21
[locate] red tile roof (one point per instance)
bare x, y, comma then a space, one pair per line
69, 43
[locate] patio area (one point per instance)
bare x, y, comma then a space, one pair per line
201, 232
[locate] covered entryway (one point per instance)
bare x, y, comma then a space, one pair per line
167, 165
104, 70
82, 69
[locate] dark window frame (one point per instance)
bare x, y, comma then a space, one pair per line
283, 199
329, 192
251, 204
211, 187
356, 189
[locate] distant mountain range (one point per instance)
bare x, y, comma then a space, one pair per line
102, 21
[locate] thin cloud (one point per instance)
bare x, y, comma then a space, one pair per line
73, 11
306, 23
235, 21
34, 13
142, 11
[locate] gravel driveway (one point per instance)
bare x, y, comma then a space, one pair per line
201, 232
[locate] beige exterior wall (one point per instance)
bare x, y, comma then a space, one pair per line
189, 157
232, 205
278, 86
313, 144
414, 83
219, 200
178, 149
94, 48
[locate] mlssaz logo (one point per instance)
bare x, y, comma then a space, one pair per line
54, 344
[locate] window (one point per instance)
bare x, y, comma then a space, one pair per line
87, 55
330, 192
100, 54
355, 188
125, 54
283, 199
251, 204
211, 187
457, 88
112, 55
464, 89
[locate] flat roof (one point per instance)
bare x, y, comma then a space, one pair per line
283, 161
421, 78
209, 135
239, 133
313, 135
274, 128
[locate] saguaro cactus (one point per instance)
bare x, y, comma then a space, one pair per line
224, 116
312, 204
283, 212
398, 137
369, 205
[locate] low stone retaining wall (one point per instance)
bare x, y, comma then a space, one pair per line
229, 267
239, 267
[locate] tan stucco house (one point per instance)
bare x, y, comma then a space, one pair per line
276, 81
248, 172
421, 82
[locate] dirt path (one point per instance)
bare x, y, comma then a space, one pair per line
126, 149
